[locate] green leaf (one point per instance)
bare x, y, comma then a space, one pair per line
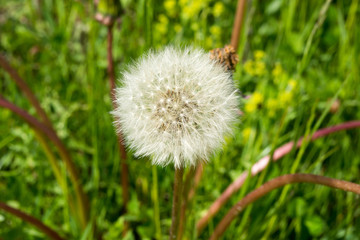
316, 225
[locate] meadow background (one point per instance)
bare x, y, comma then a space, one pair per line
299, 70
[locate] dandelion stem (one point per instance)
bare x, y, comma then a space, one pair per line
276, 183
187, 185
261, 165
176, 207
33, 221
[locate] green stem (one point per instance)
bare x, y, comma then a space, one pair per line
176, 207
52, 159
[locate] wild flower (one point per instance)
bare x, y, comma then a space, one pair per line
218, 9
259, 55
176, 106
162, 26
255, 68
170, 7
278, 70
259, 68
285, 98
272, 106
292, 84
246, 132
254, 102
215, 30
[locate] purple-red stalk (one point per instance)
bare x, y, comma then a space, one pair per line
33, 221
238, 23
274, 184
124, 165
261, 165
32, 121
25, 89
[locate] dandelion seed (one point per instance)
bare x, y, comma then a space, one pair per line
174, 128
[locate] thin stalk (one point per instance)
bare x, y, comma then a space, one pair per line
81, 197
110, 60
155, 197
33, 221
33, 122
124, 165
274, 184
262, 164
176, 207
238, 22
52, 159
25, 89
60, 177
197, 178
187, 185
318, 24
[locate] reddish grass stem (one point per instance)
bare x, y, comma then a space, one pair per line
25, 89
276, 183
261, 165
124, 165
33, 221
198, 174
74, 176
238, 22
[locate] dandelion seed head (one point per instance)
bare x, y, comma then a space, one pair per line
183, 102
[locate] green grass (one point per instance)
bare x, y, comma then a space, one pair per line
60, 51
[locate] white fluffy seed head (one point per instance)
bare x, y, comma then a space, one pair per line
175, 106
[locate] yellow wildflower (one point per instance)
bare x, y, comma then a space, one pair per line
215, 30
278, 70
195, 26
246, 133
218, 9
272, 105
163, 19
162, 26
259, 54
209, 42
259, 68
170, 7
177, 27
285, 98
249, 67
292, 84
253, 103
183, 2
192, 10
257, 97
250, 107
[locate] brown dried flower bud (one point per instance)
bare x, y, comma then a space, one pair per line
226, 56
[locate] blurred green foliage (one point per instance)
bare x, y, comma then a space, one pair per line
60, 50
